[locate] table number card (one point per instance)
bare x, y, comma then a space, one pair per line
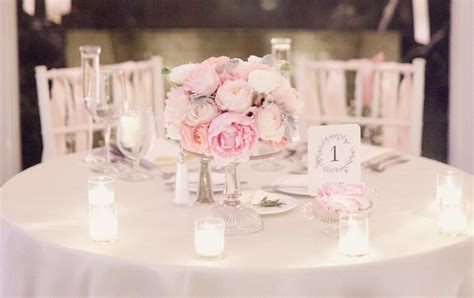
333, 155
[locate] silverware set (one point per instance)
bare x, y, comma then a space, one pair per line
384, 161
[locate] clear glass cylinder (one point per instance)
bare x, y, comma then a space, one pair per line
101, 190
103, 223
449, 187
281, 50
354, 233
453, 218
209, 236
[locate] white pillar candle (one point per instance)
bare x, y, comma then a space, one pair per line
209, 236
101, 190
452, 219
132, 128
449, 188
354, 234
103, 224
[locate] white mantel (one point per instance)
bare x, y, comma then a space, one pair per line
10, 150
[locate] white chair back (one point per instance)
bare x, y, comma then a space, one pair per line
64, 119
374, 94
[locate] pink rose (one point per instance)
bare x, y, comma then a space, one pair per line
228, 76
203, 79
201, 111
177, 105
270, 123
218, 61
287, 97
235, 96
194, 138
232, 137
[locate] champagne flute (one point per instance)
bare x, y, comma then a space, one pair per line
90, 76
135, 136
108, 107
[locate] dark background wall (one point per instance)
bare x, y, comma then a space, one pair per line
42, 42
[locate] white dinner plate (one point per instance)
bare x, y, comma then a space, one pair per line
289, 203
293, 185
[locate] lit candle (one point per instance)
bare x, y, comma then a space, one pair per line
101, 190
452, 219
103, 224
209, 236
354, 234
449, 188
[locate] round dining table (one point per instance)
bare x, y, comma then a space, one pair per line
46, 250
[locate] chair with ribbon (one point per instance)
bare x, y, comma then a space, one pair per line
385, 98
64, 119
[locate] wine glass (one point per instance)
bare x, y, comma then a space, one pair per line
135, 135
108, 107
90, 76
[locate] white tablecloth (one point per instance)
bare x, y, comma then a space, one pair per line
45, 249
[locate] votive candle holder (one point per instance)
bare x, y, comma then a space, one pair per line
354, 233
209, 236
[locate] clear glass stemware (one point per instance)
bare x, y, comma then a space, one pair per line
135, 136
108, 107
90, 87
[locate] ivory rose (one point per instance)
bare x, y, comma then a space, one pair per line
195, 138
264, 81
218, 61
243, 69
201, 111
270, 123
232, 137
176, 109
202, 80
235, 96
180, 73
286, 97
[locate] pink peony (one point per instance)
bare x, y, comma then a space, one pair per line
194, 138
270, 123
232, 137
338, 197
177, 105
201, 111
235, 96
202, 80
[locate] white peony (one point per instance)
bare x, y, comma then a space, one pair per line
264, 81
180, 73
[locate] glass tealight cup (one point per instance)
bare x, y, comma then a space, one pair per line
354, 233
449, 187
209, 237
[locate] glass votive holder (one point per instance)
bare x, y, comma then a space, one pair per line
449, 187
103, 223
209, 236
354, 233
453, 218
101, 190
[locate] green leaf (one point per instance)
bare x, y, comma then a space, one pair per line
165, 71
285, 67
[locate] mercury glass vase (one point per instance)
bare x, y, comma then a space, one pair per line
238, 218
205, 195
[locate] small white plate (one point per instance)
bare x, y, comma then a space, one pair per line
289, 203
293, 185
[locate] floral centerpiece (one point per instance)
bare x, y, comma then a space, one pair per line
230, 109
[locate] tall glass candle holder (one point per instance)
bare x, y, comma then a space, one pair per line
101, 190
354, 233
209, 236
103, 221
449, 187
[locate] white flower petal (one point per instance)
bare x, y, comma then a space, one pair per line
180, 73
263, 81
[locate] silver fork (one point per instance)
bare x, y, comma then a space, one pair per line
380, 167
